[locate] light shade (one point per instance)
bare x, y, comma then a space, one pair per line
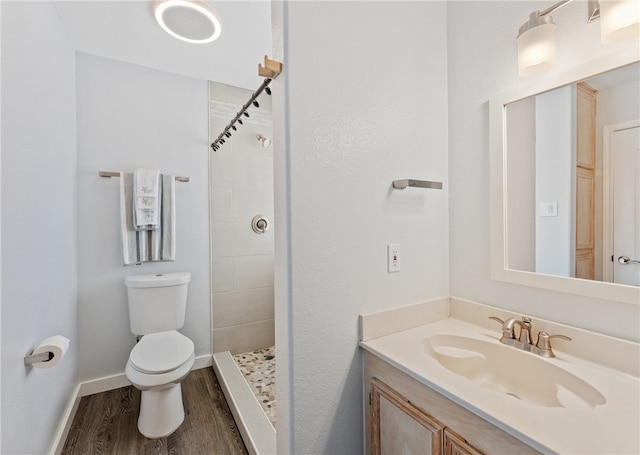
193, 21
619, 20
536, 45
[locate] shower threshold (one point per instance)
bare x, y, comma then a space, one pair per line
257, 432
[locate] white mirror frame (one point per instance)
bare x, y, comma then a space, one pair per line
498, 179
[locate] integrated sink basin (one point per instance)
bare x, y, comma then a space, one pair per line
520, 374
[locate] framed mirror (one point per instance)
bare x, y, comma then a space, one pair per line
565, 182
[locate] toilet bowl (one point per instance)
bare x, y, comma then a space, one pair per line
156, 366
163, 356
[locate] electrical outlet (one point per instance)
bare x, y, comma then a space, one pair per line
393, 257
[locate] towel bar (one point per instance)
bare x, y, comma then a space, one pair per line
402, 184
110, 174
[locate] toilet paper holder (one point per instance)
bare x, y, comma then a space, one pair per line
39, 357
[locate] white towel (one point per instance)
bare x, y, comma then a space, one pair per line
147, 194
148, 245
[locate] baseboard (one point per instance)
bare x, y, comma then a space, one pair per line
116, 381
65, 425
100, 385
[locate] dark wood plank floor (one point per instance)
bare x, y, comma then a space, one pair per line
106, 423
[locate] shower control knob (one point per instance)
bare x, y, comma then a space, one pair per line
260, 224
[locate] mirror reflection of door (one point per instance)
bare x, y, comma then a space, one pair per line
585, 181
625, 185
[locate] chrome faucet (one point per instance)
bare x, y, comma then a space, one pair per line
524, 340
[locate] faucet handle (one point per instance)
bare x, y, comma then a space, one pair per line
544, 343
507, 331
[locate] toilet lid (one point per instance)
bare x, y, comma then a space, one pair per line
160, 352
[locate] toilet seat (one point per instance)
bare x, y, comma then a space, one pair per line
158, 353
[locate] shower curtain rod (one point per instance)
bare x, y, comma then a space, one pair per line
269, 71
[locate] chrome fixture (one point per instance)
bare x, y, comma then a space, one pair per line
110, 174
46, 356
404, 183
193, 21
627, 260
265, 142
260, 224
543, 346
619, 20
524, 340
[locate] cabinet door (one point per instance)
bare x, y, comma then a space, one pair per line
398, 427
454, 444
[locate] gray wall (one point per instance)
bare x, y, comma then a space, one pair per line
129, 117
38, 221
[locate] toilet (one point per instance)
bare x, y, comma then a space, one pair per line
163, 356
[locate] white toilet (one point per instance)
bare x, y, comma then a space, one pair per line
163, 357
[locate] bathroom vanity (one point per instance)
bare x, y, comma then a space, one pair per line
438, 380
402, 412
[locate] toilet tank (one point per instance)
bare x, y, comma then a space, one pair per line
157, 303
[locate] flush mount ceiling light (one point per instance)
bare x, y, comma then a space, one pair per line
193, 21
620, 20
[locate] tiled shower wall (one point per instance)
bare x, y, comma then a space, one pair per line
241, 187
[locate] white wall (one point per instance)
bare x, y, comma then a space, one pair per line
613, 107
129, 117
479, 68
363, 102
555, 160
241, 187
38, 221
521, 200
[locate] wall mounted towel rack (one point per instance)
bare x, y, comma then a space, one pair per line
404, 183
110, 174
269, 71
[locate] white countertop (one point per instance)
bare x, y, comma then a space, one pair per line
610, 428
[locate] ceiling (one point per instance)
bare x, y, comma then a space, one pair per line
624, 75
126, 30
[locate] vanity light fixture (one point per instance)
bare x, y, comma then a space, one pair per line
536, 44
193, 21
620, 20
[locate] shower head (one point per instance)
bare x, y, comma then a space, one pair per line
265, 142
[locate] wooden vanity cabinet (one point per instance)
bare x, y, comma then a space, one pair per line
399, 427
454, 444
403, 416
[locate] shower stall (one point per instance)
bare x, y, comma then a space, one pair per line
242, 247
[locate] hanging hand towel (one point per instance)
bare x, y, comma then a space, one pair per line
148, 245
147, 194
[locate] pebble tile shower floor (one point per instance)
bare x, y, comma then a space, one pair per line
259, 369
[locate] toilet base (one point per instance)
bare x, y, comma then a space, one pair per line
161, 411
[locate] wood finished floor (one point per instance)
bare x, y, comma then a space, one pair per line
106, 423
